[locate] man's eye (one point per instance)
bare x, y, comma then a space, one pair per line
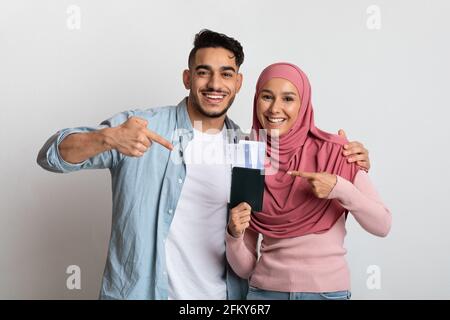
202, 73
227, 74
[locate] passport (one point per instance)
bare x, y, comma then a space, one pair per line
247, 185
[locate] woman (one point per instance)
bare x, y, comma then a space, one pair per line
306, 201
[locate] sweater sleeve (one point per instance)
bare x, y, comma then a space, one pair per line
364, 203
242, 253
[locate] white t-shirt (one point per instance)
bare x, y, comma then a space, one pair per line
195, 246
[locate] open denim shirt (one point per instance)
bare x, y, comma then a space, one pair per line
145, 195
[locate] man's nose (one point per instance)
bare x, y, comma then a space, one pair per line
215, 82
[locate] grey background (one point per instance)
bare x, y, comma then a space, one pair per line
387, 88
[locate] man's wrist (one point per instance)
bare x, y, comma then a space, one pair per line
106, 137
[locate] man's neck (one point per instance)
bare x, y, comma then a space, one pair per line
206, 123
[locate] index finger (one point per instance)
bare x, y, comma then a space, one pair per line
356, 149
352, 144
307, 175
158, 139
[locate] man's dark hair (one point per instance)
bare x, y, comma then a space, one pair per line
210, 39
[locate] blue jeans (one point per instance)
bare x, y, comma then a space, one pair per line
260, 294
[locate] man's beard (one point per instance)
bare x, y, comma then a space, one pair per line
198, 107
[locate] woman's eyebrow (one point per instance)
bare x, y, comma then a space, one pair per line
287, 93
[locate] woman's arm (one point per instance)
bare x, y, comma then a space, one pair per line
241, 252
364, 203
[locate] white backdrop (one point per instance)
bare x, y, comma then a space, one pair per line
379, 70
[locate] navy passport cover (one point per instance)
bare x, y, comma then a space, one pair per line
247, 185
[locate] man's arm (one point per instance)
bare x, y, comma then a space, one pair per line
97, 148
132, 138
78, 147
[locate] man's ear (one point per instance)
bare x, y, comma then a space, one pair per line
187, 79
239, 80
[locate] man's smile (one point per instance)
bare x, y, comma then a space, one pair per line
214, 97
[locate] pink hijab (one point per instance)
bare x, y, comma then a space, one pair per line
290, 209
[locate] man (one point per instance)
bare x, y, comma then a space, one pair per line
169, 212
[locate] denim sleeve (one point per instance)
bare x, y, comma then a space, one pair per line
50, 159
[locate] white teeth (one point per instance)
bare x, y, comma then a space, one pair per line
210, 96
276, 120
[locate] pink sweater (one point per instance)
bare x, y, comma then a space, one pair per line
315, 262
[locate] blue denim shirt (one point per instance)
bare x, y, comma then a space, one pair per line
145, 195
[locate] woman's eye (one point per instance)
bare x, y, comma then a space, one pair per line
266, 97
288, 99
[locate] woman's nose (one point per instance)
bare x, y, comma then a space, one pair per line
275, 107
